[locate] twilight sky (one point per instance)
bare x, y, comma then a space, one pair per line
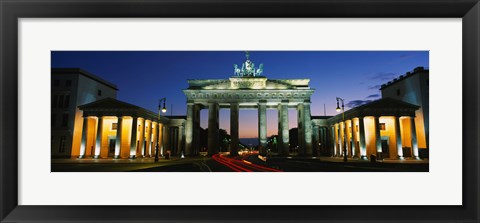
143, 77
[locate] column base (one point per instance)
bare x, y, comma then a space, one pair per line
416, 157
363, 157
81, 157
400, 157
96, 156
132, 157
116, 157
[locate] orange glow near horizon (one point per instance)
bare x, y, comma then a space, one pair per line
248, 126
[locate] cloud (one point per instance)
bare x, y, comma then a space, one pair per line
382, 76
375, 87
355, 103
373, 96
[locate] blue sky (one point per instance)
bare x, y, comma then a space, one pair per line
145, 76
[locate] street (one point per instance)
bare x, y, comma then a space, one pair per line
245, 163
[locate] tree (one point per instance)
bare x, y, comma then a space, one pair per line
272, 143
223, 139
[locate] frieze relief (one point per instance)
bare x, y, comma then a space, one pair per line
248, 83
248, 95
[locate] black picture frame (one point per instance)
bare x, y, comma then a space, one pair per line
11, 11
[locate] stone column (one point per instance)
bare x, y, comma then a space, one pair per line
335, 142
398, 137
155, 137
213, 133
350, 139
118, 139
234, 135
141, 139
189, 131
301, 129
355, 149
83, 146
133, 138
262, 127
307, 129
363, 146
180, 140
283, 131
340, 139
98, 143
174, 141
160, 138
279, 129
378, 138
196, 129
148, 138
345, 139
413, 131
316, 140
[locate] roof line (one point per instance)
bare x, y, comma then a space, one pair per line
84, 73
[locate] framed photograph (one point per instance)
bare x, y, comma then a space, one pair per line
147, 111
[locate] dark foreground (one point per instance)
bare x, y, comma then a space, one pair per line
246, 163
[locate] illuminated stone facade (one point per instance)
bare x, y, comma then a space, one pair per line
393, 127
384, 128
71, 87
115, 129
413, 88
246, 90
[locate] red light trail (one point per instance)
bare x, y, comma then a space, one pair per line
239, 164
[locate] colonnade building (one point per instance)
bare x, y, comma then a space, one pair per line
112, 128
70, 88
393, 127
413, 87
384, 128
87, 121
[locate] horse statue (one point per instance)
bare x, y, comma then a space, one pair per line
237, 71
259, 71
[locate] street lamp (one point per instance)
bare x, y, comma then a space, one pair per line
344, 126
163, 109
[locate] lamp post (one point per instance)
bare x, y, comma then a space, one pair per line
163, 110
344, 145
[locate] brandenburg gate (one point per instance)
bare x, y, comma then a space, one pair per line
248, 89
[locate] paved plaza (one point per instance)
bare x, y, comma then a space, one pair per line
247, 163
